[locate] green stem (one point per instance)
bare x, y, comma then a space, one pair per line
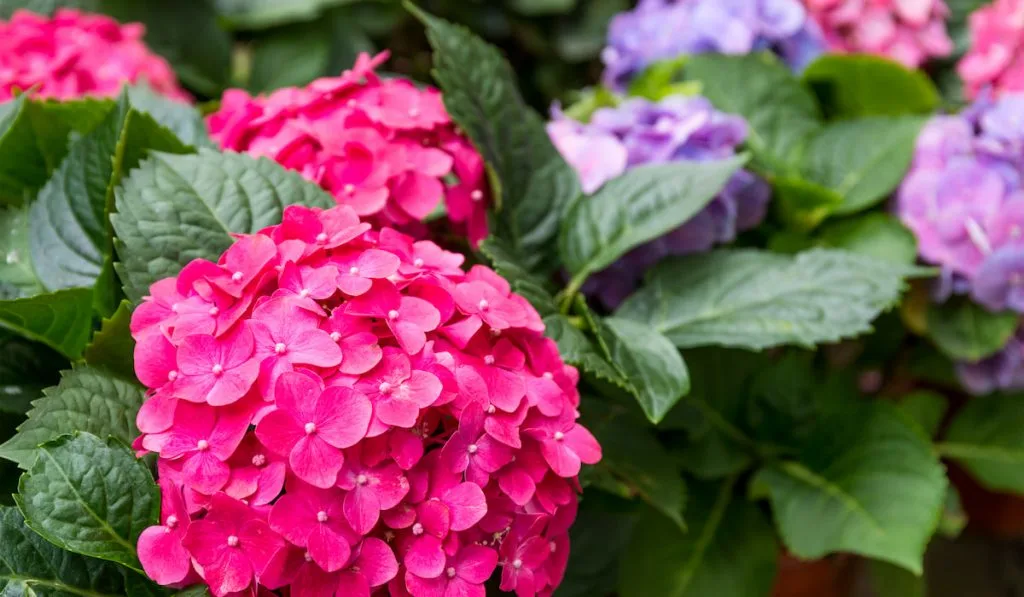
569, 293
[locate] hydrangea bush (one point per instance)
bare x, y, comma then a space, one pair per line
343, 333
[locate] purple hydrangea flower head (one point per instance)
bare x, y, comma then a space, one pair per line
1003, 370
999, 284
664, 29
638, 132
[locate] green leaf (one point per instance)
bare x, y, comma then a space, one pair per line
289, 56
62, 320
16, 271
633, 455
590, 100
90, 496
173, 209
113, 347
861, 160
87, 399
781, 113
25, 369
985, 439
531, 183
180, 118
802, 204
642, 204
858, 85
34, 140
533, 8
954, 519
964, 330
754, 299
926, 408
729, 550
874, 234
867, 482
581, 38
260, 14
653, 367
598, 537
659, 80
194, 591
69, 234
34, 568
889, 580
185, 32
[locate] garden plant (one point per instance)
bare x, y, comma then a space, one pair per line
682, 298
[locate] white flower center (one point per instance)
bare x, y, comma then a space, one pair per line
548, 375
213, 311
553, 547
495, 332
232, 541
353, 271
217, 369
321, 238
280, 348
517, 563
483, 305
490, 409
202, 445
304, 292
259, 460
472, 448
559, 436
417, 529
321, 516
336, 336
489, 359
417, 262
349, 189
172, 521
361, 480
384, 388
392, 314
307, 557
237, 276
450, 572
309, 428
476, 195
172, 375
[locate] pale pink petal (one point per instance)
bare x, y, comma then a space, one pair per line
343, 416
315, 461
163, 557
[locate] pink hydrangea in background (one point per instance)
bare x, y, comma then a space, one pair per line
75, 54
996, 57
340, 410
908, 31
383, 147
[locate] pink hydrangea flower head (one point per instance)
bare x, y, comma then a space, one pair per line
344, 411
383, 147
907, 31
74, 54
996, 56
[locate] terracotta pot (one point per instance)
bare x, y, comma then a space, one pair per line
829, 577
998, 514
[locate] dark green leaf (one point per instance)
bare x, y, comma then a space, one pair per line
633, 455
173, 209
857, 85
954, 519
87, 399
650, 364
69, 234
90, 496
861, 160
964, 330
874, 234
986, 439
534, 8
290, 56
62, 320
260, 14
889, 580
194, 591
578, 350
642, 204
531, 183
867, 482
31, 567
729, 550
802, 204
781, 112
926, 408
34, 140
580, 39
113, 347
754, 299
25, 369
598, 538
183, 120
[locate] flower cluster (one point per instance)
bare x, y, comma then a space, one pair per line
996, 56
664, 29
383, 147
74, 54
964, 201
642, 132
337, 409
908, 31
